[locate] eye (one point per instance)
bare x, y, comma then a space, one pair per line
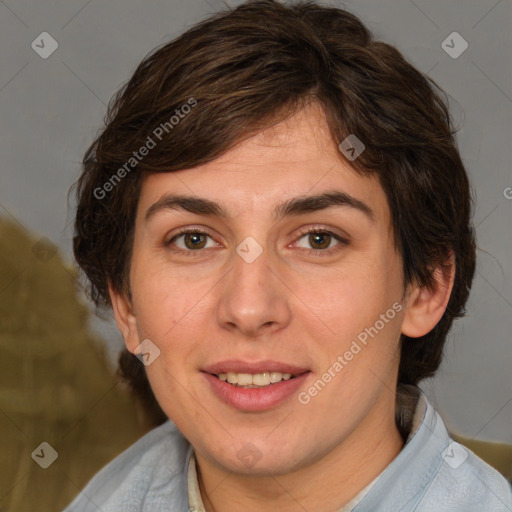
320, 241
192, 240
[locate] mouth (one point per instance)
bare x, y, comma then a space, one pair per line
254, 386
255, 380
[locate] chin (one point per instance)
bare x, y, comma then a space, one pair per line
257, 458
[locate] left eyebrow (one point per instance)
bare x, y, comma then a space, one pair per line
294, 206
304, 204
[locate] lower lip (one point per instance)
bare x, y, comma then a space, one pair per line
255, 399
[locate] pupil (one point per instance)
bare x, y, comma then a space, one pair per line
194, 241
321, 240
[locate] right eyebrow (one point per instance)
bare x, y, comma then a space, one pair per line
191, 204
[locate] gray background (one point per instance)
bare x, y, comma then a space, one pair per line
51, 108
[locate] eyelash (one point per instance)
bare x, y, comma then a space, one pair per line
302, 233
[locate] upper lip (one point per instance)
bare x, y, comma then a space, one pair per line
237, 366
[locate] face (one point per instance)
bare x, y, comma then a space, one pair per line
257, 282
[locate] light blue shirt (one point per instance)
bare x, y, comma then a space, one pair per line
432, 473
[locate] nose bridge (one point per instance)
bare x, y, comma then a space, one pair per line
253, 299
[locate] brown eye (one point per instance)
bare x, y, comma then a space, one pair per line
320, 240
192, 240
195, 240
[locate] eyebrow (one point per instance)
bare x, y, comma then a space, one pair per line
294, 206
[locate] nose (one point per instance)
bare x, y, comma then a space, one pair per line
253, 300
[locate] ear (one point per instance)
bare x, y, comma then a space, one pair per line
425, 307
125, 318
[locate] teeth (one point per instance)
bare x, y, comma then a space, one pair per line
260, 379
275, 377
248, 380
243, 379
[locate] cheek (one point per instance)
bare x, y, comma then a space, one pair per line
164, 296
173, 316
360, 306
354, 296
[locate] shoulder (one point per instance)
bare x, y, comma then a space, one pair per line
465, 482
150, 474
435, 473
460, 480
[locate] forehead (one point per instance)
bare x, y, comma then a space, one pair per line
295, 157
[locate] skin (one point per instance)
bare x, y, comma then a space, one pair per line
201, 306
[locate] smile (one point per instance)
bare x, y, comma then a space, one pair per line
254, 386
256, 380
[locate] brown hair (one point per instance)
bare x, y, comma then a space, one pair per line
256, 65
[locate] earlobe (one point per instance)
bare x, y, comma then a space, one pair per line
425, 306
125, 318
